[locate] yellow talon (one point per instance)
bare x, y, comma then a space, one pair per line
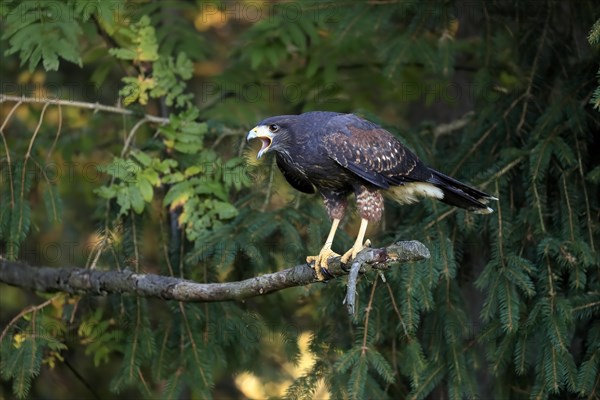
320, 261
351, 254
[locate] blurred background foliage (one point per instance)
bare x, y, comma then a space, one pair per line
502, 95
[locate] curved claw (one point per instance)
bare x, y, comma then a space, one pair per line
326, 274
319, 263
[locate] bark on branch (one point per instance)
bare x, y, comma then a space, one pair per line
96, 282
82, 104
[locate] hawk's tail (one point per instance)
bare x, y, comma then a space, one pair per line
460, 195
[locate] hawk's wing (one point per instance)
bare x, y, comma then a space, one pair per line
295, 179
371, 152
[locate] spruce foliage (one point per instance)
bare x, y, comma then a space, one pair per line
507, 305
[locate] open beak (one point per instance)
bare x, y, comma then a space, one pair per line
266, 137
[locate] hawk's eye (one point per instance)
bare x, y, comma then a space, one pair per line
273, 128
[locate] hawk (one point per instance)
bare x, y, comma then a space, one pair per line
341, 154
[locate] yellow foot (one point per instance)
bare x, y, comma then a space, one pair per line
351, 254
319, 262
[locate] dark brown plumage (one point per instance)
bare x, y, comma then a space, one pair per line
340, 154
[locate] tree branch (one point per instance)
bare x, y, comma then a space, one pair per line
81, 104
95, 282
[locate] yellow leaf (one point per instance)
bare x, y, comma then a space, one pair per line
18, 339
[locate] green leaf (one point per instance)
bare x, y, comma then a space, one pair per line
107, 192
151, 176
191, 171
225, 210
179, 193
39, 31
297, 35
145, 189
174, 177
143, 46
256, 58
123, 200
136, 199
141, 157
313, 66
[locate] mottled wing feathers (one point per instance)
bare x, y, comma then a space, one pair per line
371, 152
293, 177
362, 171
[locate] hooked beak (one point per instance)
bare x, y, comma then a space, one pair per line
266, 137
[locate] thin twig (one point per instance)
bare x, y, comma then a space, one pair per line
486, 134
44, 175
458, 124
498, 174
35, 133
24, 172
98, 249
24, 312
58, 130
368, 310
395, 306
588, 212
533, 69
148, 391
82, 380
592, 304
81, 104
500, 233
8, 163
136, 253
192, 341
225, 133
131, 135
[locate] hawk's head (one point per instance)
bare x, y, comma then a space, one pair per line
273, 132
